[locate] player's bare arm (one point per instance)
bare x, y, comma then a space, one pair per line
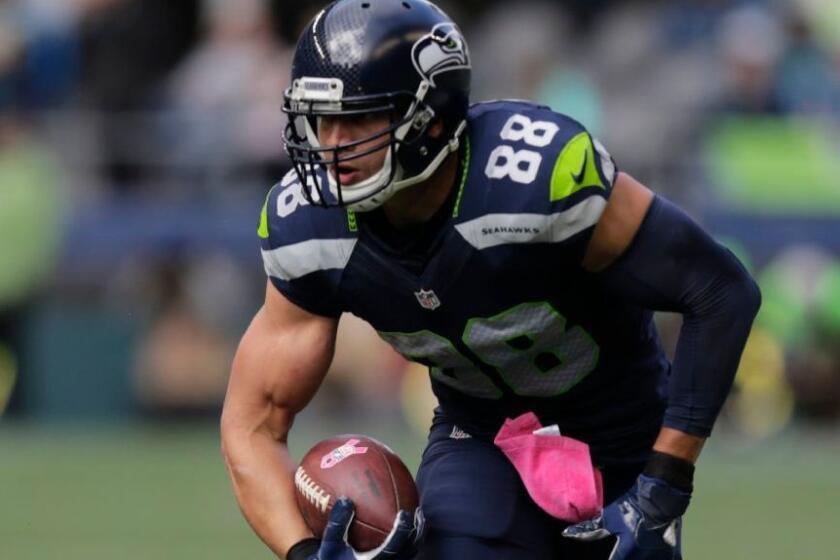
619, 223
615, 231
629, 205
278, 367
648, 251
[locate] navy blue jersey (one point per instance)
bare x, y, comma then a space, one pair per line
498, 306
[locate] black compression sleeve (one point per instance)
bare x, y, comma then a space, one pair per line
673, 265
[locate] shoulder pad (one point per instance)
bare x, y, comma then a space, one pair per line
298, 238
531, 165
288, 217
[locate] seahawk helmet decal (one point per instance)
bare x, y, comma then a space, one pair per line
443, 49
403, 59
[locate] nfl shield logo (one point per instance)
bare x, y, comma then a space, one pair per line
428, 299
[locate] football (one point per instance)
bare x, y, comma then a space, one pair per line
362, 469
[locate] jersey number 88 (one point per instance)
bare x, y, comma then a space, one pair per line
521, 166
528, 345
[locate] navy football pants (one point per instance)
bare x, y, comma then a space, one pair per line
477, 508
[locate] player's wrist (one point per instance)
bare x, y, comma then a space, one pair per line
675, 471
304, 550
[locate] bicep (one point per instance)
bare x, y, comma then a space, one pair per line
279, 365
618, 225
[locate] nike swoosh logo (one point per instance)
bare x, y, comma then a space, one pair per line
578, 178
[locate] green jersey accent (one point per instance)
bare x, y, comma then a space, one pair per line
465, 168
575, 168
351, 221
262, 230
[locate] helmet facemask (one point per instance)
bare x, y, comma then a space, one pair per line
312, 98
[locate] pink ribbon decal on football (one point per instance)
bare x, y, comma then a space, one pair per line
557, 471
338, 454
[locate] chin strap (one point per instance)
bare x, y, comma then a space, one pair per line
373, 202
450, 147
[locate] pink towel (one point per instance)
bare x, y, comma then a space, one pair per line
556, 470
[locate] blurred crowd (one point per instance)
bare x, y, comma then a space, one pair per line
137, 138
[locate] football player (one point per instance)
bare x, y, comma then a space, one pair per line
499, 245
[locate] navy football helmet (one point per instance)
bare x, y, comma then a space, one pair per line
401, 58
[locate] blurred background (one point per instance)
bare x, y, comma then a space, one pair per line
139, 137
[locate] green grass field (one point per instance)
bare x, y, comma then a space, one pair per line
161, 492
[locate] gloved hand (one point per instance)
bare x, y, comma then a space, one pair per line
645, 520
400, 544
